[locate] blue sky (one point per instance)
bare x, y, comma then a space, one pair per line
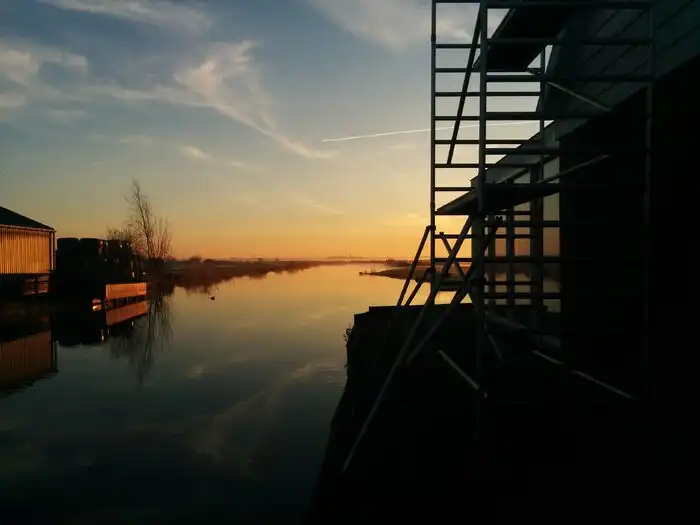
220, 108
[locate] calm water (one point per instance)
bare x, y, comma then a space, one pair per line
202, 410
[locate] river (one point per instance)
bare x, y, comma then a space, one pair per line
207, 406
198, 411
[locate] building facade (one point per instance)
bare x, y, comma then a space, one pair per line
26, 254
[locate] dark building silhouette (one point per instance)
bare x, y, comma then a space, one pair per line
557, 367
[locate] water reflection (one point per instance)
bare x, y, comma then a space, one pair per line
205, 277
232, 420
134, 332
26, 358
137, 340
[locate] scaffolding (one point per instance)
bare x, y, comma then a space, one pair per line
506, 179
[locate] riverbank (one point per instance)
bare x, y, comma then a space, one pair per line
550, 271
204, 276
193, 276
398, 272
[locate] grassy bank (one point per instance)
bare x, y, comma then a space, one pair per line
550, 271
398, 272
204, 276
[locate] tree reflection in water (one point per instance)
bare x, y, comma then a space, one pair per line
139, 340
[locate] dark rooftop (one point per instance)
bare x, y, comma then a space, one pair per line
11, 218
536, 21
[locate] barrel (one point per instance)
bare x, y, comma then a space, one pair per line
67, 244
114, 249
126, 250
92, 249
68, 256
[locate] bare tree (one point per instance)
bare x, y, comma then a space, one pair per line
149, 234
126, 233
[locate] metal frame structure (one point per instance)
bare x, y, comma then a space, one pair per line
497, 212
487, 198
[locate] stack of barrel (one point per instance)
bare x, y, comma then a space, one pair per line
97, 261
122, 263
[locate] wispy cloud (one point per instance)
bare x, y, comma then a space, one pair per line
66, 115
136, 140
194, 152
221, 77
160, 13
227, 79
21, 62
12, 100
197, 153
315, 206
396, 24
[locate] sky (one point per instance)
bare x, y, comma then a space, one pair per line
228, 114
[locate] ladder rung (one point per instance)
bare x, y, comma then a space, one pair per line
510, 187
526, 151
511, 283
520, 295
476, 165
476, 142
506, 236
516, 115
559, 5
454, 188
497, 236
525, 224
577, 42
571, 78
535, 150
525, 116
449, 94
570, 41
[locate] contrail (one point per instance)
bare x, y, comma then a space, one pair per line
424, 130
386, 134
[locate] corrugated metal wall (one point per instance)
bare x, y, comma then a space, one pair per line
25, 251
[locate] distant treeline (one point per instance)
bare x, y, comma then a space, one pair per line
203, 276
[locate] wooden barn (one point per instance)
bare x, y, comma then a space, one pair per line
26, 254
